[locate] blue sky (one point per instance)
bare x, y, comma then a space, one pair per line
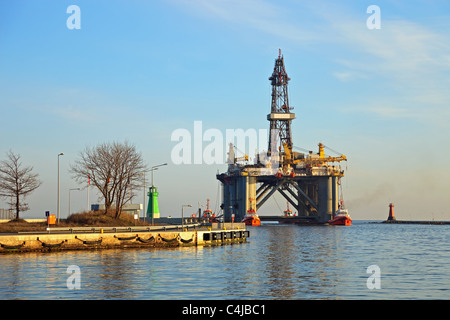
138, 70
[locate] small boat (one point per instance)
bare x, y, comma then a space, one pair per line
209, 215
342, 218
251, 219
288, 212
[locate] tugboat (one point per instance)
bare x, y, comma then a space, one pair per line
251, 218
288, 212
341, 218
209, 215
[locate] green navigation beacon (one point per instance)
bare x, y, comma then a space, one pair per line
153, 209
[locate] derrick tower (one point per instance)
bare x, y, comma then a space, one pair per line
280, 116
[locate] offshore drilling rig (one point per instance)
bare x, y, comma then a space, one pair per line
308, 181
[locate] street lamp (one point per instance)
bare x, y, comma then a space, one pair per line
58, 205
143, 210
69, 197
153, 168
152, 190
182, 213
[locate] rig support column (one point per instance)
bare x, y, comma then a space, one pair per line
325, 199
335, 200
239, 194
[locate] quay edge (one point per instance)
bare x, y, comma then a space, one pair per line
200, 236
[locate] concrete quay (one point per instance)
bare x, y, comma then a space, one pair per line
60, 240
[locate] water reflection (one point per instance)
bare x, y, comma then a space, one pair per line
278, 262
298, 260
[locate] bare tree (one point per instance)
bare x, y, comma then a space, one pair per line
114, 168
17, 182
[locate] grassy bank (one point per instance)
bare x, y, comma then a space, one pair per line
83, 219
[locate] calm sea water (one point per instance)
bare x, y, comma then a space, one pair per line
278, 262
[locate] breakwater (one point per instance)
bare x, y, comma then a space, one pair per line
97, 238
415, 222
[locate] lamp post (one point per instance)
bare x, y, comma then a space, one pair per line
143, 209
58, 205
89, 184
153, 168
182, 214
69, 198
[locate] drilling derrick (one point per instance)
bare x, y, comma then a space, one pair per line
308, 181
280, 116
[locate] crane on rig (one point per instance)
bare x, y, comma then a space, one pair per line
310, 160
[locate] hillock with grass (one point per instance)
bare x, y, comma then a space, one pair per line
83, 219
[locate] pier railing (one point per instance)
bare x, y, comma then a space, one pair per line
121, 229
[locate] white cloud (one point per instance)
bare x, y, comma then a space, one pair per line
264, 16
73, 104
401, 50
348, 76
70, 113
407, 62
390, 112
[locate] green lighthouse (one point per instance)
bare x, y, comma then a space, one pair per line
153, 209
